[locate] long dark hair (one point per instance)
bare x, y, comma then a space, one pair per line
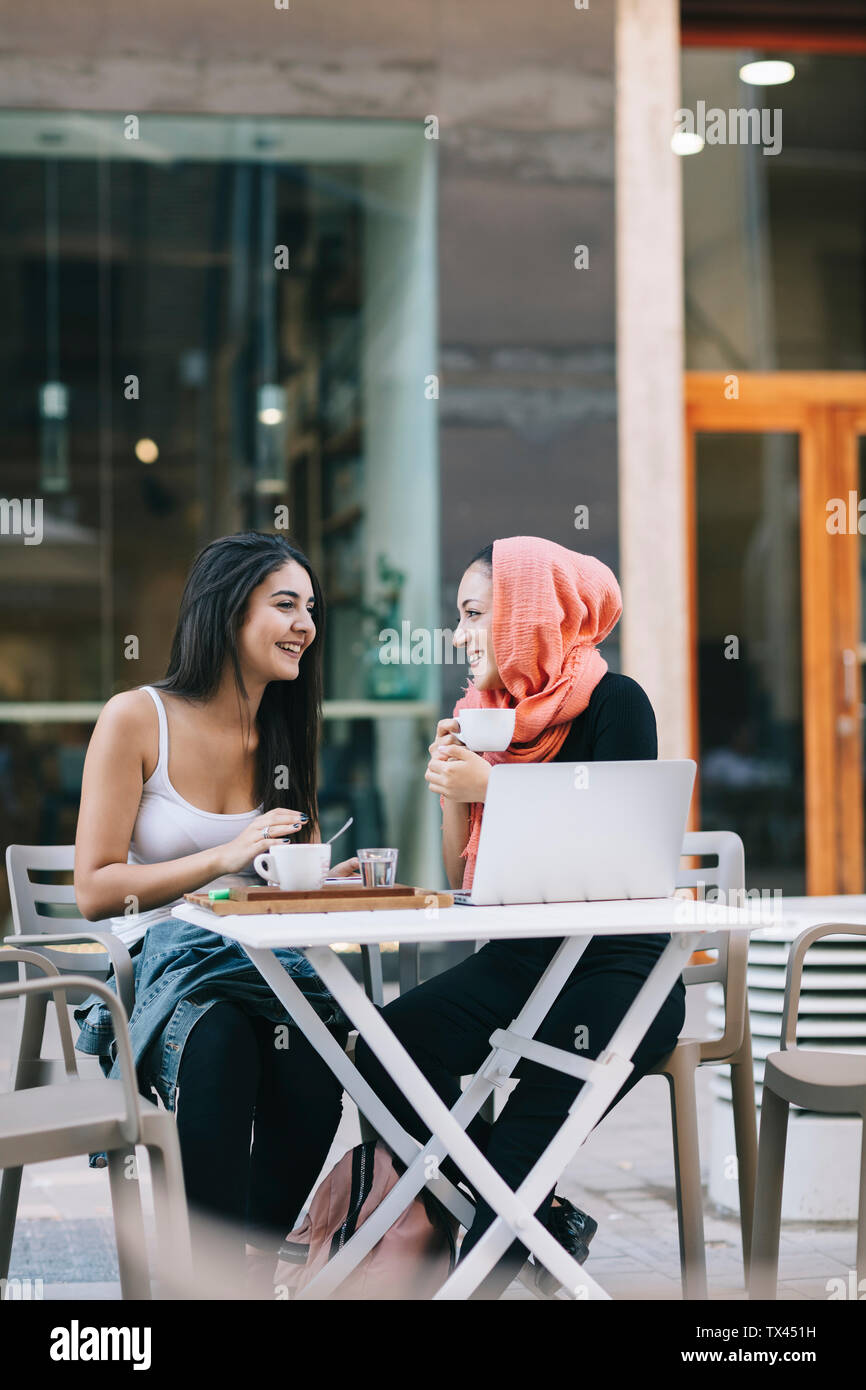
212, 609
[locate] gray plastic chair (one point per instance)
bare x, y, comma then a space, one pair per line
46, 1122
832, 1083
35, 928
37, 1081
733, 1048
48, 914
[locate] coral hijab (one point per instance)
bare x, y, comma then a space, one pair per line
551, 607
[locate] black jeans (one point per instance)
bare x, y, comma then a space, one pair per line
445, 1025
236, 1082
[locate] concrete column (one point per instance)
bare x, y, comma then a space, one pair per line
650, 363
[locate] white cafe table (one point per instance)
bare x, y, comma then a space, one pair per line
577, 923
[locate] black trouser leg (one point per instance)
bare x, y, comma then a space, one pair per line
535, 1111
445, 1026
235, 1080
217, 1084
298, 1108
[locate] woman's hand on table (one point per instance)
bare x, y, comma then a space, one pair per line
279, 824
454, 771
345, 869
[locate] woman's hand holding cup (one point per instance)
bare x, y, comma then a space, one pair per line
273, 828
447, 733
454, 771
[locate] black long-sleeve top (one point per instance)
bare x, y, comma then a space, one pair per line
618, 725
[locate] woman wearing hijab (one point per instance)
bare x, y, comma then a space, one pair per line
532, 614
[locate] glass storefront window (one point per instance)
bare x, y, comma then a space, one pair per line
749, 649
212, 324
775, 243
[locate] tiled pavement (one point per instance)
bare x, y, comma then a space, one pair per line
623, 1175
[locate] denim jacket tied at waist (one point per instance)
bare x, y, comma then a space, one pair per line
180, 971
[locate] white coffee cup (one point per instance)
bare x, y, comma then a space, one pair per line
298, 868
486, 730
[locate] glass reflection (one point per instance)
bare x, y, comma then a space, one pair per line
749, 651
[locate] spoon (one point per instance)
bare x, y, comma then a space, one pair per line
340, 831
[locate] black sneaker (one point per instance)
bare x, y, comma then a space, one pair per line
573, 1229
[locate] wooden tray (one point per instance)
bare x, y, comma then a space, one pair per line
333, 898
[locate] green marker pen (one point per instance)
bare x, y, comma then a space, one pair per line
219, 894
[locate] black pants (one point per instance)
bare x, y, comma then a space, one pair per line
235, 1082
445, 1025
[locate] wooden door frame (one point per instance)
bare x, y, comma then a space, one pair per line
827, 410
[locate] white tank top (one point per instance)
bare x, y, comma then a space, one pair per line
168, 827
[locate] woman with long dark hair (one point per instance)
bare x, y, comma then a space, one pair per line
185, 782
531, 617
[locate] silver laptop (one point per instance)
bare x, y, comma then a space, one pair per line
580, 832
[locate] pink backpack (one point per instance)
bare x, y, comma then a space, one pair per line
411, 1261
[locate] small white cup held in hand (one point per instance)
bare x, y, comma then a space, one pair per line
486, 730
298, 868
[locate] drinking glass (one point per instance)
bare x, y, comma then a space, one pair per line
378, 867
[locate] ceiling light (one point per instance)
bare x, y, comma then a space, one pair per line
146, 451
271, 404
767, 73
686, 142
